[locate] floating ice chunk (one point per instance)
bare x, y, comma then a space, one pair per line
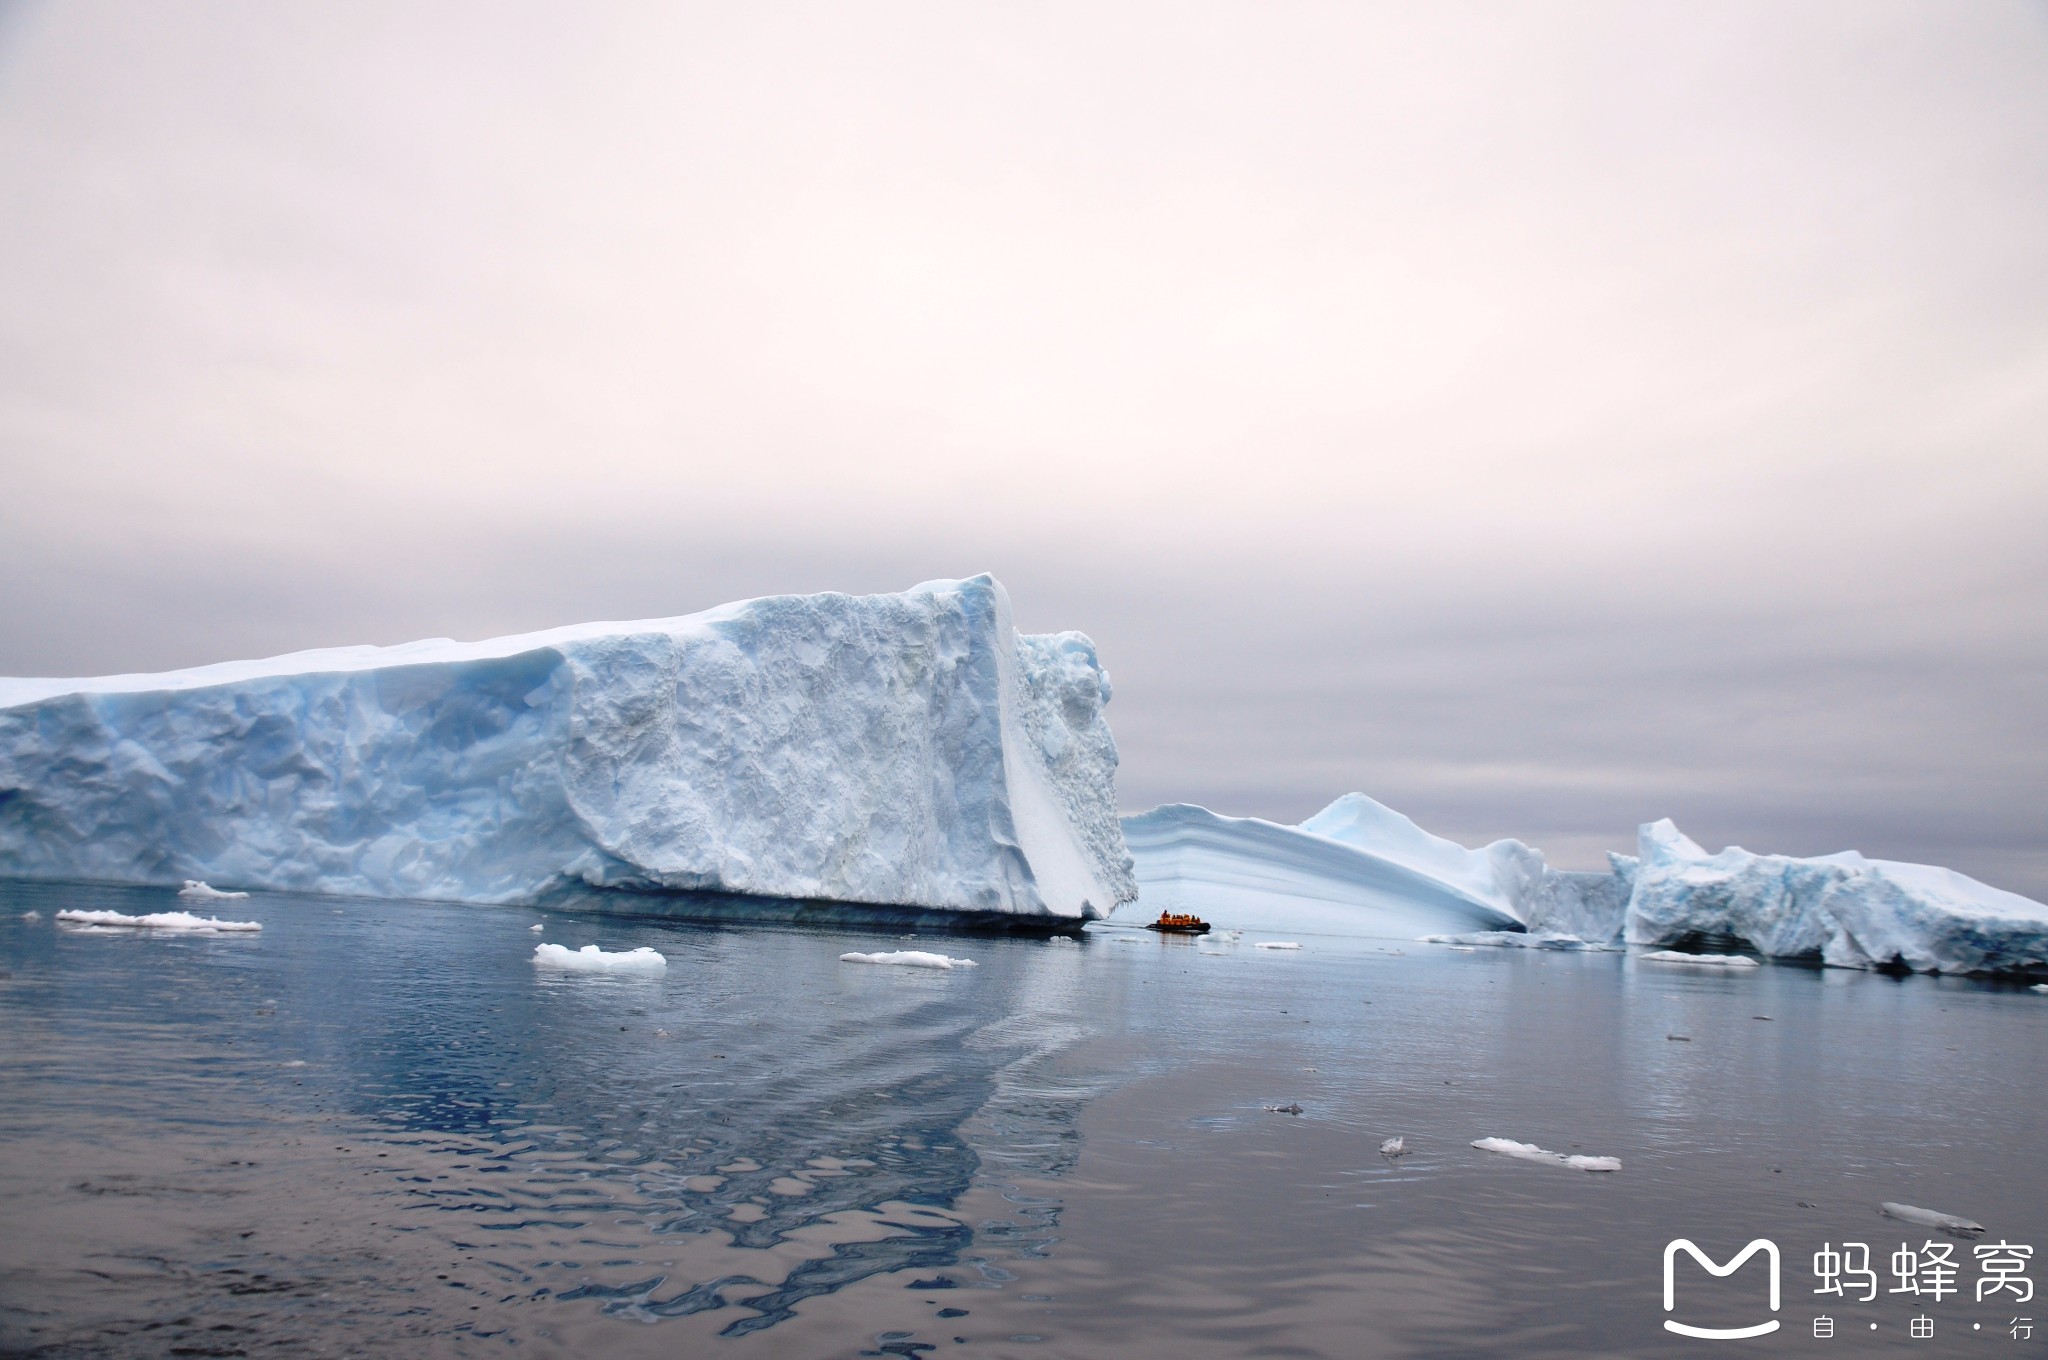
1705, 960
1292, 1108
536, 926
2037, 987
156, 920
33, 916
1529, 1152
1394, 1147
1520, 939
1928, 1218
591, 959
908, 958
196, 891
1276, 944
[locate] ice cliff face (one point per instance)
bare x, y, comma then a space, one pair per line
901, 750
1840, 909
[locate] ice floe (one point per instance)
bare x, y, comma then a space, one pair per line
908, 958
1275, 944
1928, 1218
1703, 960
196, 891
1394, 1147
1529, 1152
1520, 939
156, 920
591, 959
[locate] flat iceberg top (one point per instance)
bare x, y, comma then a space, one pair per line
15, 690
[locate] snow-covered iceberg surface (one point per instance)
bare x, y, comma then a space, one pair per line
911, 755
156, 920
591, 959
909, 958
1838, 909
1359, 867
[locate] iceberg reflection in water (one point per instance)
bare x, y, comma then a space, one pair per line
753, 1126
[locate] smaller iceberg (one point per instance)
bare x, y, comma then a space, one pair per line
908, 958
158, 920
1518, 939
1928, 1218
1276, 944
1529, 1152
1703, 960
591, 959
196, 891
1842, 910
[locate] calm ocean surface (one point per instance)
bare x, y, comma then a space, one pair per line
377, 1129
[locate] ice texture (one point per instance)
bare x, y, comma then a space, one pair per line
908, 958
156, 920
1841, 909
591, 959
908, 750
1529, 1152
1359, 867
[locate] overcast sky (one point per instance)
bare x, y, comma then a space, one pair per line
1543, 417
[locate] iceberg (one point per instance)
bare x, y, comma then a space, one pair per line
156, 920
1529, 1152
909, 958
1841, 909
591, 959
195, 891
1701, 960
1359, 867
906, 757
1929, 1218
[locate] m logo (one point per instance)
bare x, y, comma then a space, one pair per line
1671, 1250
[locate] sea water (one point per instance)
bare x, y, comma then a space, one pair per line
379, 1129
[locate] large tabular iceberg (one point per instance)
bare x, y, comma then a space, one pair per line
1839, 909
911, 753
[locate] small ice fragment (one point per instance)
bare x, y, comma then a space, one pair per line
2037, 987
1276, 944
295, 1062
1927, 1218
1529, 1152
536, 926
1679, 1038
908, 958
1760, 1017
1394, 1147
196, 891
591, 959
1294, 1108
156, 920
1708, 960
37, 916
1463, 949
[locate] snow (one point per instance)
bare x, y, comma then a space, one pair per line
1928, 1218
591, 959
1841, 909
1704, 960
888, 751
1529, 1152
196, 891
908, 958
160, 920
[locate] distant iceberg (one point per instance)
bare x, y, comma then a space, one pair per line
1839, 909
907, 756
909, 958
156, 920
1360, 868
